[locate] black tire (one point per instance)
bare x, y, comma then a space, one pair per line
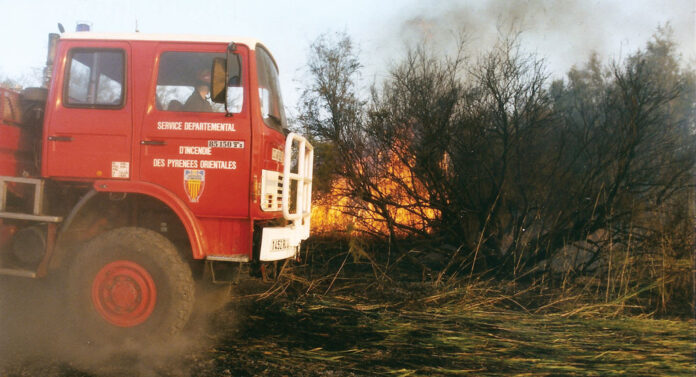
110, 295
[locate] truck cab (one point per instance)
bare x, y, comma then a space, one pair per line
174, 140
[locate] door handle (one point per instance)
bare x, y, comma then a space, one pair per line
60, 138
153, 142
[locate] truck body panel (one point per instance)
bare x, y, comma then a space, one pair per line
117, 119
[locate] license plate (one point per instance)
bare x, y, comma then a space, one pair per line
280, 244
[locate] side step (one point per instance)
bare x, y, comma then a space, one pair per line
24, 216
37, 208
36, 214
18, 273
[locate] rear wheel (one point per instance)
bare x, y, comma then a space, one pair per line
130, 284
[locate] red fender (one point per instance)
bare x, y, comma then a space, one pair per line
193, 227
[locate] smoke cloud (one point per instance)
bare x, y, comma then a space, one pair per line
563, 32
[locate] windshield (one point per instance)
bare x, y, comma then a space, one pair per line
270, 99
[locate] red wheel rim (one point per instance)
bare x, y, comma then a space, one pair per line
124, 293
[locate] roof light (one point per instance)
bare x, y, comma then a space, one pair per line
83, 26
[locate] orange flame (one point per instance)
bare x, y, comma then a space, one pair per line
336, 211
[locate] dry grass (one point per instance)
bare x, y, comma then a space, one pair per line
347, 316
465, 331
356, 322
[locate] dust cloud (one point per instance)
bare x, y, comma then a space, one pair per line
36, 340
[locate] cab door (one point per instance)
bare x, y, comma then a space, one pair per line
190, 145
89, 129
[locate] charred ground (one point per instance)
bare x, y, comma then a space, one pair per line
338, 318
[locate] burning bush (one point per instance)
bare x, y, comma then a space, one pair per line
491, 156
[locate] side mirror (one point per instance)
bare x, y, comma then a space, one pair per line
50, 58
218, 80
52, 43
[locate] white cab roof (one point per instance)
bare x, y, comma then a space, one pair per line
249, 42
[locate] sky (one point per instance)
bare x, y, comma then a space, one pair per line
563, 32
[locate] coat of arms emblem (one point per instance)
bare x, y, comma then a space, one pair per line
194, 182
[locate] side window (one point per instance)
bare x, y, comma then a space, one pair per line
183, 82
95, 78
272, 110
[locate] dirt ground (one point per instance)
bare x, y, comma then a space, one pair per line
389, 330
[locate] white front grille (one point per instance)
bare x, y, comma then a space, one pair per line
292, 193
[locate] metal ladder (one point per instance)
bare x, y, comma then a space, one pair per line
36, 214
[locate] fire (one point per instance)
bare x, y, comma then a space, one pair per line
338, 211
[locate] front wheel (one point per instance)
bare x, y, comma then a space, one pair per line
130, 283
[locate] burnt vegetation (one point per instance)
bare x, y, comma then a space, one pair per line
505, 172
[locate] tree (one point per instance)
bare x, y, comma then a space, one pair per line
629, 137
330, 109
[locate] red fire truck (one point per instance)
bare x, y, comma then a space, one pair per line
146, 162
